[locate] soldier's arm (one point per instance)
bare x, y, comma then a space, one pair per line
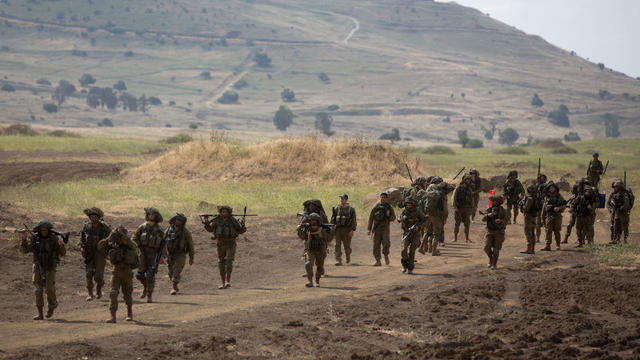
62, 250
333, 215
130, 244
626, 204
354, 220
135, 237
189, 239
528, 205
445, 208
240, 227
26, 245
485, 218
107, 229
544, 209
103, 245
520, 188
370, 223
563, 207
392, 214
210, 226
302, 233
505, 216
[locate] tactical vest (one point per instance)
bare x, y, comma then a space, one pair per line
176, 242
95, 235
45, 251
498, 214
380, 213
537, 205
464, 198
343, 215
582, 202
120, 254
225, 229
409, 219
618, 199
150, 236
552, 202
315, 242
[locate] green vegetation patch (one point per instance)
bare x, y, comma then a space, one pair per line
77, 144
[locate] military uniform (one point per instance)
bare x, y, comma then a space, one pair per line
584, 208
595, 170
475, 188
540, 195
379, 219
179, 245
619, 204
225, 232
463, 202
316, 241
434, 204
410, 241
494, 237
95, 260
150, 241
123, 257
531, 210
344, 219
512, 190
553, 219
46, 256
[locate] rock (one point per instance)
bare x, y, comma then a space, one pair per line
563, 184
395, 195
371, 199
203, 205
496, 182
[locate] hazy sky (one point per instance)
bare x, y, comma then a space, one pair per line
606, 31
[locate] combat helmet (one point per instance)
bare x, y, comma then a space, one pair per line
151, 210
496, 200
540, 177
552, 184
178, 216
513, 173
223, 207
616, 183
94, 211
45, 223
315, 216
474, 171
436, 179
420, 180
411, 200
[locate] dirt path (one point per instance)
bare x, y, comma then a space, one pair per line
238, 73
356, 27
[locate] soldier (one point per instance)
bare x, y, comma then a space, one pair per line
315, 246
576, 191
411, 219
179, 244
512, 189
595, 170
123, 257
475, 187
315, 206
446, 189
420, 183
225, 229
380, 217
554, 205
344, 219
149, 238
47, 249
92, 232
619, 205
496, 218
540, 194
531, 210
434, 205
584, 208
463, 205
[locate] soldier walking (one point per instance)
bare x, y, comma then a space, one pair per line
315, 247
552, 209
463, 204
531, 210
512, 189
47, 249
595, 170
411, 220
496, 219
344, 219
93, 232
149, 238
380, 217
225, 229
619, 205
179, 244
435, 206
584, 209
541, 186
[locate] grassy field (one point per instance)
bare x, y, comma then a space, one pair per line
78, 145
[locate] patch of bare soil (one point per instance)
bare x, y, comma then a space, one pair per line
35, 172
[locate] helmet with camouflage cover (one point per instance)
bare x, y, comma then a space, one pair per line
178, 216
617, 183
474, 171
94, 211
151, 210
552, 184
588, 188
540, 177
420, 180
496, 200
225, 207
513, 173
315, 216
410, 200
436, 179
41, 223
465, 177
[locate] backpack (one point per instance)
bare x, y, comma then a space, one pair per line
432, 201
380, 213
632, 198
124, 255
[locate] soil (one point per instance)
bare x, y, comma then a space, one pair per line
34, 172
551, 305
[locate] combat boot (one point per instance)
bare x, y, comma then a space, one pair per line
318, 276
113, 317
40, 315
434, 249
528, 251
50, 311
515, 217
558, 244
546, 248
466, 237
386, 259
228, 285
129, 313
348, 257
494, 262
339, 262
90, 291
174, 289
149, 298
98, 291
310, 283
377, 263
566, 238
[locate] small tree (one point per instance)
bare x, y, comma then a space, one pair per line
288, 95
262, 60
50, 108
228, 97
611, 125
86, 80
563, 108
120, 86
394, 135
129, 102
572, 136
106, 122
323, 121
283, 118
128, 53
240, 84
324, 77
536, 101
463, 138
333, 107
508, 136
43, 81
153, 100
8, 88
559, 118
63, 90
475, 144
205, 75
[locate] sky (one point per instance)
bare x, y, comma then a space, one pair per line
604, 31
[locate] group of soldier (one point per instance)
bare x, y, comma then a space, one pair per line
424, 213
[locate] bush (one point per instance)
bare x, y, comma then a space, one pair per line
601, 66
50, 108
86, 80
564, 150
508, 136
563, 108
439, 150
324, 77
153, 100
611, 126
475, 144
80, 53
288, 95
262, 60
228, 97
463, 139
559, 118
18, 129
394, 135
205, 75
604, 94
178, 139
120, 86
43, 81
333, 107
572, 136
323, 121
193, 126
283, 118
512, 151
536, 101
106, 123
172, 103
128, 53
8, 88
241, 84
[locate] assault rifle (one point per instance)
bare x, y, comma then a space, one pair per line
409, 172
307, 225
459, 172
539, 163
152, 268
492, 219
552, 214
214, 216
413, 228
605, 168
36, 261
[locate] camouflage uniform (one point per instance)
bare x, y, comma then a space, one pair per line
531, 210
584, 209
378, 223
619, 205
438, 213
418, 185
344, 219
95, 260
179, 244
494, 237
595, 170
463, 203
123, 257
540, 195
553, 219
150, 241
226, 232
410, 241
475, 187
512, 190
316, 241
46, 256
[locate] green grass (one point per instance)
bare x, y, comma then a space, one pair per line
618, 255
77, 145
112, 195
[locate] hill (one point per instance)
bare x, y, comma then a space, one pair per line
426, 68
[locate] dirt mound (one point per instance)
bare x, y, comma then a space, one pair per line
306, 160
34, 172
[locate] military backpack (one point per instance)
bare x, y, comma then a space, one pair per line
432, 201
124, 255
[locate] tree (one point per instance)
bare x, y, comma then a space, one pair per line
229, 97
283, 118
8, 88
50, 108
288, 95
508, 136
323, 121
394, 135
559, 118
106, 122
120, 86
128, 53
86, 80
463, 138
475, 143
143, 103
572, 136
324, 77
262, 60
153, 100
205, 75
240, 84
129, 102
333, 107
63, 90
536, 101
563, 108
43, 81
611, 125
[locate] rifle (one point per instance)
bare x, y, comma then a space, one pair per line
589, 167
459, 172
413, 228
307, 226
539, 163
409, 172
605, 168
202, 216
36, 261
625, 178
551, 213
156, 262
492, 219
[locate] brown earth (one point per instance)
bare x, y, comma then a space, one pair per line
552, 305
35, 172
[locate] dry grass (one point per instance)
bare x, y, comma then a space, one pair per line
308, 160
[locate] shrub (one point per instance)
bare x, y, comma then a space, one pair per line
120, 86
18, 129
563, 108
611, 125
128, 53
559, 118
333, 107
475, 144
205, 75
153, 100
288, 95
604, 94
178, 139
536, 101
394, 135
80, 53
564, 150
228, 97
324, 77
8, 88
508, 136
463, 139
329, 133
193, 126
262, 60
241, 84
50, 108
512, 151
283, 118
323, 121
43, 81
439, 150
86, 80
106, 122
172, 103
572, 136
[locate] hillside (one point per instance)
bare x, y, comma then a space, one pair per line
407, 64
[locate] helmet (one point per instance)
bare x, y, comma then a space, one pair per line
41, 223
532, 189
94, 211
314, 216
178, 216
550, 184
596, 154
474, 171
411, 201
466, 177
540, 177
513, 173
588, 188
223, 207
436, 179
617, 183
151, 210
496, 199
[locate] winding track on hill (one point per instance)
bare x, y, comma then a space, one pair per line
353, 31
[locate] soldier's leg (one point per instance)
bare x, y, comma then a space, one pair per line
625, 226
488, 246
456, 227
497, 246
466, 220
116, 283
617, 229
222, 254
572, 223
177, 264
320, 257
339, 236
377, 243
50, 289
151, 282
99, 275
38, 293
580, 230
509, 208
126, 283
141, 275
404, 254
516, 211
90, 270
386, 244
557, 228
538, 227
347, 247
309, 262
530, 233
548, 233
476, 201
228, 262
415, 242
